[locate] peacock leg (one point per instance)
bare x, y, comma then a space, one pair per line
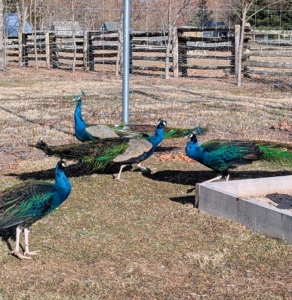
17, 241
27, 252
227, 177
213, 179
120, 172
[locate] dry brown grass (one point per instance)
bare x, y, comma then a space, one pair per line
141, 239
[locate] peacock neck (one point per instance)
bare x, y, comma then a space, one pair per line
63, 187
155, 140
78, 120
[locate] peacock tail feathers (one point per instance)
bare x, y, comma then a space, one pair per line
99, 163
95, 155
276, 153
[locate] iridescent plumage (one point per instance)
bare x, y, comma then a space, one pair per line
97, 154
24, 204
223, 155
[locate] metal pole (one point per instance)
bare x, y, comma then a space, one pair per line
126, 61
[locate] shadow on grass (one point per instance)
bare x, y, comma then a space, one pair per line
7, 235
184, 199
74, 170
194, 177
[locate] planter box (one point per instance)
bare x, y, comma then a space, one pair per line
233, 200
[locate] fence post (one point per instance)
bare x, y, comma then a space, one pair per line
175, 52
131, 55
236, 46
85, 50
54, 57
183, 58
47, 45
90, 54
24, 50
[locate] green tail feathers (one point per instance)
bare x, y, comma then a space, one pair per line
99, 163
276, 154
95, 155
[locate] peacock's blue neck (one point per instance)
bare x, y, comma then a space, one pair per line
155, 140
80, 125
193, 149
63, 187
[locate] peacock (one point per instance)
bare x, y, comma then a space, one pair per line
223, 155
88, 132
97, 154
24, 204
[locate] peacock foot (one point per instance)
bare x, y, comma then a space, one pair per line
118, 178
32, 252
19, 255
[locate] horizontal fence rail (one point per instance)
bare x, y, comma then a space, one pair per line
191, 49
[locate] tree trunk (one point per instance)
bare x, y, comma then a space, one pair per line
2, 48
22, 16
240, 47
120, 48
34, 39
167, 55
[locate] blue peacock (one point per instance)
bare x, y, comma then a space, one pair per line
223, 155
97, 154
88, 132
24, 204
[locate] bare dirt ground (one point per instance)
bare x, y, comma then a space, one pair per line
140, 239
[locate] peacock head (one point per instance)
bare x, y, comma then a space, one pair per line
61, 164
78, 100
162, 123
192, 136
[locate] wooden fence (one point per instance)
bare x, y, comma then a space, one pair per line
268, 53
192, 49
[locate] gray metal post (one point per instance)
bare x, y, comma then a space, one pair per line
126, 61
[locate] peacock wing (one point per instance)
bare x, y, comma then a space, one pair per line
136, 149
214, 146
25, 203
101, 131
224, 154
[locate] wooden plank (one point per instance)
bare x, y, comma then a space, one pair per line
70, 57
105, 62
203, 67
205, 40
151, 58
268, 73
149, 49
100, 55
147, 34
262, 64
270, 32
202, 56
70, 64
274, 43
270, 53
150, 68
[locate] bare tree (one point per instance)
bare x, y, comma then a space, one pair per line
242, 8
170, 12
2, 48
22, 15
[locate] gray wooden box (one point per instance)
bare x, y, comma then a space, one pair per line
230, 200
